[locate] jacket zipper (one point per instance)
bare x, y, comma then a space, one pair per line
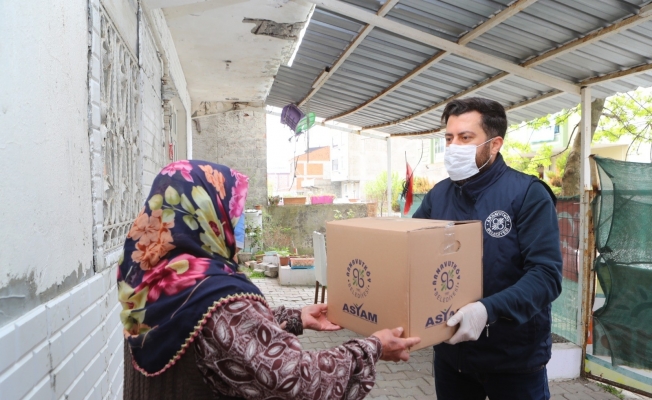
459, 357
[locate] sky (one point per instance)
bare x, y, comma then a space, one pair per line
280, 151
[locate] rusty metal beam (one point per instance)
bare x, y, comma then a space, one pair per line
525, 103
533, 100
588, 283
497, 19
600, 34
591, 38
446, 45
586, 244
599, 378
493, 79
419, 133
546, 96
616, 75
328, 72
587, 82
423, 67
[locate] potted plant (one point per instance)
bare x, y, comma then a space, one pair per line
253, 238
244, 257
274, 200
376, 191
324, 199
372, 209
302, 262
276, 236
420, 187
283, 255
348, 214
246, 254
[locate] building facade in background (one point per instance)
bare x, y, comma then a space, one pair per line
310, 172
358, 160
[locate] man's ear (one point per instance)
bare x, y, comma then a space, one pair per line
496, 145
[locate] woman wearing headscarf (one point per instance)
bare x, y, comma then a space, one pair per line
181, 294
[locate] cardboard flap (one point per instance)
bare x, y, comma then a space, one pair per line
395, 224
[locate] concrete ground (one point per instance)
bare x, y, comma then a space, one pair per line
411, 380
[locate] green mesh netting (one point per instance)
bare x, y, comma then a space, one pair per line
624, 211
622, 327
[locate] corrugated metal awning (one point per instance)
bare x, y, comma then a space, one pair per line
392, 65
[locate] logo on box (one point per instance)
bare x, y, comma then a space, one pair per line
359, 278
446, 281
357, 311
441, 318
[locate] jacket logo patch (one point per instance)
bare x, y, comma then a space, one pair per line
498, 224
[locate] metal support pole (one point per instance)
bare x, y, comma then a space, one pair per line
389, 175
188, 135
585, 250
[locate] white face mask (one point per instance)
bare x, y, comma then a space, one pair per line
460, 161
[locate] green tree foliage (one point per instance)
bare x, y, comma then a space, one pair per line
627, 114
376, 190
624, 115
516, 155
560, 162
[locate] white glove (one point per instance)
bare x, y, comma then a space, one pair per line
472, 319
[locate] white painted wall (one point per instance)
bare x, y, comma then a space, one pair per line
163, 37
204, 46
124, 15
566, 361
70, 347
236, 138
46, 217
153, 142
160, 28
60, 332
365, 159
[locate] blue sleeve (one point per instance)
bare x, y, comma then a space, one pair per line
239, 232
538, 232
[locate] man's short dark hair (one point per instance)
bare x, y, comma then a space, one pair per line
494, 119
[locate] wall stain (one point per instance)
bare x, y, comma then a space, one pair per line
275, 29
19, 296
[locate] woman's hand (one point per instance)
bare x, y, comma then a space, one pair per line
314, 317
395, 348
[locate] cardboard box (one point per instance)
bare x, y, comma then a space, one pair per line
414, 273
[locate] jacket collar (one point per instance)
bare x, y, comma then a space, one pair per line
480, 182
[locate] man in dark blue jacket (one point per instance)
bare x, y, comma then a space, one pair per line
503, 341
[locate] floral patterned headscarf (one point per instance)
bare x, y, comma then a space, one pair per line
177, 264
